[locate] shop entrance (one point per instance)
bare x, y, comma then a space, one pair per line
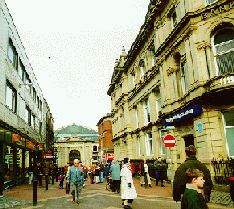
188, 140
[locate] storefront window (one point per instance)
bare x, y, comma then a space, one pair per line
9, 162
229, 129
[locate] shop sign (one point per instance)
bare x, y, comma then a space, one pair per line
17, 139
104, 157
110, 156
186, 113
31, 145
40, 146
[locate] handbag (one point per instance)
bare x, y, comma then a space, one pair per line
67, 187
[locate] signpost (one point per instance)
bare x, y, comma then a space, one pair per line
169, 141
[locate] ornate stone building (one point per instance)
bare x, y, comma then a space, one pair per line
179, 72
76, 142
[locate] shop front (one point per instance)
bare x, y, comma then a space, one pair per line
16, 155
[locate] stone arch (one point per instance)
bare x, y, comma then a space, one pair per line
74, 154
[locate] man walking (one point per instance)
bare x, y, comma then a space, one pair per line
75, 177
115, 175
179, 183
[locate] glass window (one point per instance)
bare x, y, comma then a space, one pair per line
142, 68
12, 54
210, 1
137, 119
184, 85
11, 97
174, 20
149, 144
21, 70
9, 163
158, 102
163, 148
229, 129
224, 51
28, 116
146, 111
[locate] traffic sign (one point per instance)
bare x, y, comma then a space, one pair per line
169, 141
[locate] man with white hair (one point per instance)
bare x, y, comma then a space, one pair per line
75, 177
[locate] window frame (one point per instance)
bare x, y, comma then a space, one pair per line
149, 144
13, 97
221, 53
225, 131
14, 53
208, 2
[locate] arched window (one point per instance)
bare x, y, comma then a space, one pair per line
224, 51
142, 68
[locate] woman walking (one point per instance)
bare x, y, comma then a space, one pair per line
128, 191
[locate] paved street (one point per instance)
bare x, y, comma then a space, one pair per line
93, 196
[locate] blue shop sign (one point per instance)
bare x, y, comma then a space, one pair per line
186, 113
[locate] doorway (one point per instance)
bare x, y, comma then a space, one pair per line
188, 140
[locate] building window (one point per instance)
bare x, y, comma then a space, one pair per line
34, 95
158, 102
142, 68
137, 119
28, 116
21, 70
139, 145
174, 20
133, 80
208, 2
149, 144
12, 54
224, 51
40, 127
11, 97
146, 111
34, 121
40, 107
229, 130
163, 148
184, 85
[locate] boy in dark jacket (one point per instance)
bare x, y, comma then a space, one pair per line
192, 198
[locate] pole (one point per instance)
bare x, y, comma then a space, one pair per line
46, 180
171, 169
34, 192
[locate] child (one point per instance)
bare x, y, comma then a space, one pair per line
61, 181
193, 198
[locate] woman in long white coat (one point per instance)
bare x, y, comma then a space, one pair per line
128, 191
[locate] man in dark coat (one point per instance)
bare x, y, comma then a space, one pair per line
160, 167
179, 183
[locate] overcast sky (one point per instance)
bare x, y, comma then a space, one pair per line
72, 46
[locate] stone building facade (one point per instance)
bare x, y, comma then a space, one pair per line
76, 142
179, 72
24, 111
106, 149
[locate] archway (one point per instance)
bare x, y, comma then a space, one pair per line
74, 154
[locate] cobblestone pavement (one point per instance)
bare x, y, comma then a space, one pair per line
21, 197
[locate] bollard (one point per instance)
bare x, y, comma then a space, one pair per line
146, 180
34, 192
53, 179
46, 181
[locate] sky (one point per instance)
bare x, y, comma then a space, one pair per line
72, 47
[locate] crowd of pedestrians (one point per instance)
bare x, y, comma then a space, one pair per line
192, 180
